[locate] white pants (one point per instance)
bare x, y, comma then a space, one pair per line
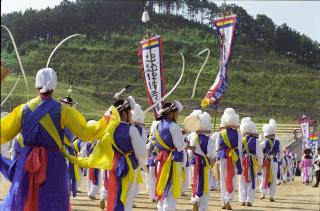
213, 182
202, 201
151, 182
168, 204
91, 188
284, 173
186, 183
246, 193
80, 179
103, 191
272, 189
226, 196
133, 191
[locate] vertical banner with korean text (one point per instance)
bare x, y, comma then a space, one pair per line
152, 70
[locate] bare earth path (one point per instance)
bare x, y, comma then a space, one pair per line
290, 197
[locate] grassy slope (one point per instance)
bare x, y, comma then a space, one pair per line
260, 84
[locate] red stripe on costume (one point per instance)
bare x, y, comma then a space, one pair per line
230, 173
162, 158
112, 184
92, 177
267, 165
36, 165
195, 177
245, 165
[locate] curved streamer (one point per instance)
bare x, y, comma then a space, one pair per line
14, 86
19, 60
174, 87
204, 63
56, 48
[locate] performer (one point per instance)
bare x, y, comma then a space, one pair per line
42, 166
138, 121
317, 168
214, 176
306, 169
78, 145
201, 161
252, 158
228, 148
129, 152
170, 142
67, 141
285, 166
93, 174
271, 150
152, 154
294, 165
186, 172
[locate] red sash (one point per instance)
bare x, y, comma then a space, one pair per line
36, 165
230, 173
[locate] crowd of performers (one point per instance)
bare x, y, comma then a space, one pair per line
46, 131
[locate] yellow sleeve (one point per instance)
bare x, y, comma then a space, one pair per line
11, 125
102, 155
77, 124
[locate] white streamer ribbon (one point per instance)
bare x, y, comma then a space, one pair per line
56, 48
200, 71
20, 65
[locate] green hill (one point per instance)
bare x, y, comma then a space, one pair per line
262, 83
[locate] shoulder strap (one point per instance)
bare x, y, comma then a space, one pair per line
225, 138
198, 141
245, 144
161, 141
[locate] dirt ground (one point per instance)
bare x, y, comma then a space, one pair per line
290, 197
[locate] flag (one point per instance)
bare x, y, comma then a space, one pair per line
225, 27
152, 69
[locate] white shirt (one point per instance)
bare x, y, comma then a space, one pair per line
139, 145
177, 137
210, 147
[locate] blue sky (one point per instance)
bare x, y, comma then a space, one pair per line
303, 16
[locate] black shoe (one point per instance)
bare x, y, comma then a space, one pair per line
249, 204
315, 186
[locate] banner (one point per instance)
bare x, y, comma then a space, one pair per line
152, 70
304, 124
225, 27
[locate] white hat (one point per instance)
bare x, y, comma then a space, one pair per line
247, 126
268, 129
46, 79
153, 127
137, 114
205, 121
91, 122
192, 122
273, 122
229, 118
